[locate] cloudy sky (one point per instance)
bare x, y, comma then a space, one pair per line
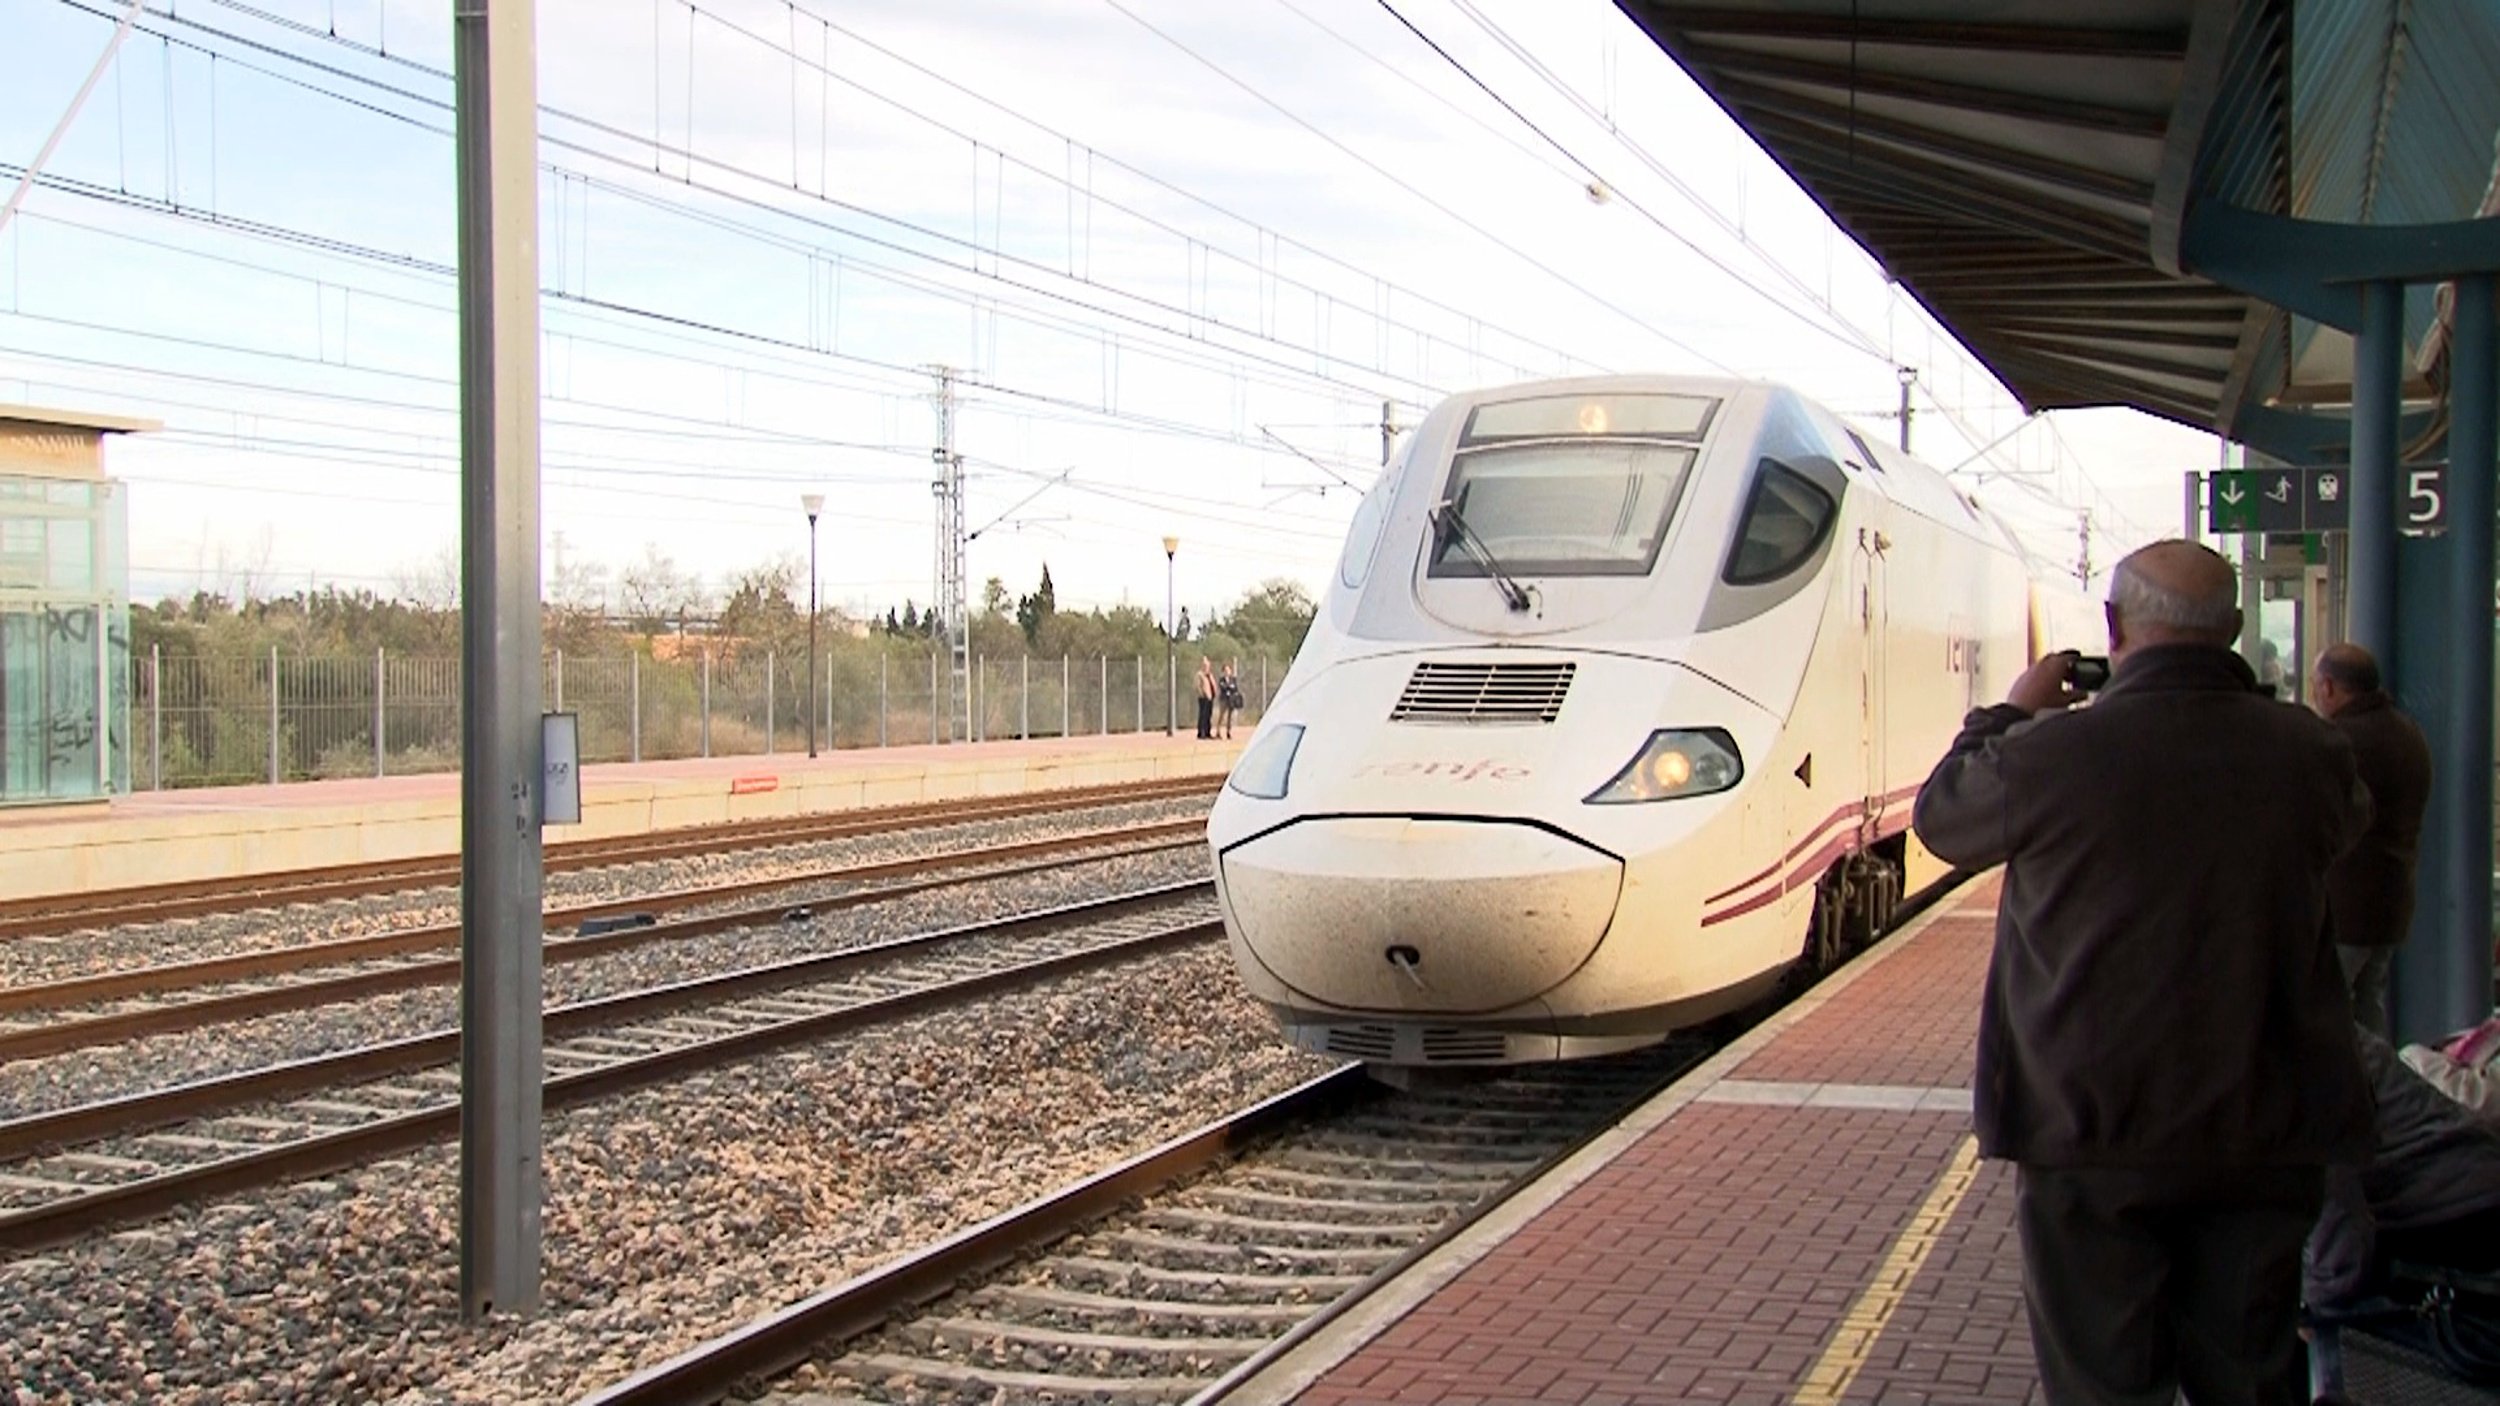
1177, 256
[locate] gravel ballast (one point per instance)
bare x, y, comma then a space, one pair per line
673, 1214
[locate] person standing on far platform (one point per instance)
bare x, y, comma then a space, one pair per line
2370, 890
1206, 698
2166, 1053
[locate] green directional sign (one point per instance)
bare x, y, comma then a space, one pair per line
2231, 498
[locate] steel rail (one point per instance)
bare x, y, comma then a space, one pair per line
61, 1037
138, 1112
168, 976
782, 1340
53, 1223
57, 913
731, 1363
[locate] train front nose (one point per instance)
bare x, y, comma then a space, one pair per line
1409, 914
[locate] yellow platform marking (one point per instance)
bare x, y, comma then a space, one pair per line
1829, 1378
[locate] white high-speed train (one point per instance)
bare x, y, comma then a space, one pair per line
1611, 720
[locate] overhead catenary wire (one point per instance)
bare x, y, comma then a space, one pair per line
692, 158
1847, 335
1611, 305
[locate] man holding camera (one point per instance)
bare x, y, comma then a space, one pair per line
2165, 1048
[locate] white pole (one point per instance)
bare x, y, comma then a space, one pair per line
381, 740
156, 717
61, 129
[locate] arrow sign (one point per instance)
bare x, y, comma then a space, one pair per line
2231, 500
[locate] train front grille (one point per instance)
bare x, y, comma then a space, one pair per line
1433, 1044
1442, 692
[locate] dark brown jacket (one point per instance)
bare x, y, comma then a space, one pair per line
2163, 991
2370, 890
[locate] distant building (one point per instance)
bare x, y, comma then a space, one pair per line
64, 608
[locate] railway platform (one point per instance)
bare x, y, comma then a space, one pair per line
160, 836
1803, 1219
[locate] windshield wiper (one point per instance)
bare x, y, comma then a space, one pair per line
1447, 521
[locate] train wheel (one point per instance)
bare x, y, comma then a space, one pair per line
1827, 934
1873, 892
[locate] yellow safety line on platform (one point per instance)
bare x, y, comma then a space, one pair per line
1829, 1378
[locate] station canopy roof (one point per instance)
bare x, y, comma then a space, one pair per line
2027, 168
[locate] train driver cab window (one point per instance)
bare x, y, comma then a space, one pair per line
1785, 521
1566, 485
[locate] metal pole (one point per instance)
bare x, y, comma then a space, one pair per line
1171, 647
882, 715
933, 696
633, 712
1141, 693
2449, 986
1067, 718
831, 741
1909, 376
707, 702
559, 680
503, 874
381, 740
1024, 698
104, 704
1104, 693
274, 774
2378, 362
769, 718
980, 699
156, 717
811, 635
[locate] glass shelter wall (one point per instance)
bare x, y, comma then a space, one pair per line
64, 640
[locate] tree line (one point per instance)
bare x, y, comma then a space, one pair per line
760, 609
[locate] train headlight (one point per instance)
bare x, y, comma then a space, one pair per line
1673, 763
1263, 769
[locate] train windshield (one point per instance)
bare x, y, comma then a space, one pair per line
1564, 508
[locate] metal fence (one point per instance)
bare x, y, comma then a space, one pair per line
222, 720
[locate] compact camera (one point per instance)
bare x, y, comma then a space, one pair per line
2088, 673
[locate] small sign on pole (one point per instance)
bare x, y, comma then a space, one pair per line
560, 789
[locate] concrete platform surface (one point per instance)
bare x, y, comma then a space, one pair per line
161, 836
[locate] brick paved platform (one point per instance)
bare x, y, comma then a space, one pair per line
1801, 1220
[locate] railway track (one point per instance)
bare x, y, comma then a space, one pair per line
67, 1173
1178, 1274
60, 913
398, 961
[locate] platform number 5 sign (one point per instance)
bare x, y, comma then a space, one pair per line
2425, 507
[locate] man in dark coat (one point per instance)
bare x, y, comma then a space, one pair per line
2165, 1047
2370, 890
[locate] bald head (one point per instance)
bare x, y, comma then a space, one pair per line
2173, 592
2345, 672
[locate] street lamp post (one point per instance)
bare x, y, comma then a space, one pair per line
814, 503
1171, 645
